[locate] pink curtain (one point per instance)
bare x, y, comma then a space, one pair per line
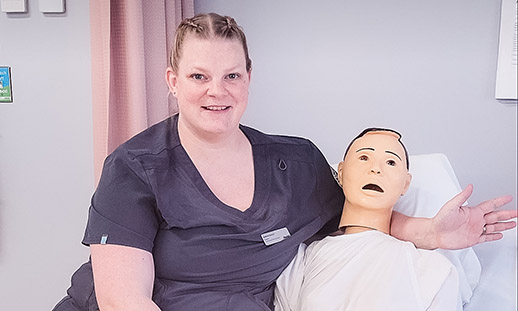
130, 44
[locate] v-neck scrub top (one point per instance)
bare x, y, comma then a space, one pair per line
208, 255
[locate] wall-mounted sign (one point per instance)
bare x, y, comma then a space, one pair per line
6, 90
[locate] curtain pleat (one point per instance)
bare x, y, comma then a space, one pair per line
130, 43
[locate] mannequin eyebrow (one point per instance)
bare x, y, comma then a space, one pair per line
391, 152
366, 148
386, 151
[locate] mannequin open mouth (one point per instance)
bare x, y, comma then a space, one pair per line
373, 187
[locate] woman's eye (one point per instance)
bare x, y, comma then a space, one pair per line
391, 162
364, 158
233, 76
197, 76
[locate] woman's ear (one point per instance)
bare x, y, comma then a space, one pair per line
340, 173
407, 183
171, 79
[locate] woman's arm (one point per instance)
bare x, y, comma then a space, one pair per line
417, 230
123, 278
456, 226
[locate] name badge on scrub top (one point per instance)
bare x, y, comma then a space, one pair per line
275, 236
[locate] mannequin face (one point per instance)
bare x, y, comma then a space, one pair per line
373, 173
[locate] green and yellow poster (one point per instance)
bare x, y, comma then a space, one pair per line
6, 94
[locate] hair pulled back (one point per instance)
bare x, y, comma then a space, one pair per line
208, 26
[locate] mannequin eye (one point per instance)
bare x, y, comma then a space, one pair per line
391, 162
364, 158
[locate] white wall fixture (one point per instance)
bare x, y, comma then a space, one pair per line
52, 6
14, 6
507, 69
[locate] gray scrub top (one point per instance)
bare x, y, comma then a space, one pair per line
210, 256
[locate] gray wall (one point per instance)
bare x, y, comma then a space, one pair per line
46, 158
320, 71
327, 69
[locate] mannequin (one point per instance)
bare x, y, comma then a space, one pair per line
375, 176
362, 267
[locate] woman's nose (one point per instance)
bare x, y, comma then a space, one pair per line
216, 88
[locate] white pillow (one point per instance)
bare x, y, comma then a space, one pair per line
433, 184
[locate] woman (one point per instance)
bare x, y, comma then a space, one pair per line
200, 212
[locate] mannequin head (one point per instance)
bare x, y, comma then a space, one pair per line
373, 174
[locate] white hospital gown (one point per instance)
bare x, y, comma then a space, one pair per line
367, 271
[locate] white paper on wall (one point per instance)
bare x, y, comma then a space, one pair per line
507, 70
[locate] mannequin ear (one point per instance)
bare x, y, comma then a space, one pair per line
171, 79
340, 172
407, 183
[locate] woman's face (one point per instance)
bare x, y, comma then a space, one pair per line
211, 85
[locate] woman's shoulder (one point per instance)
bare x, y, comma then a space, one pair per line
284, 146
153, 140
258, 137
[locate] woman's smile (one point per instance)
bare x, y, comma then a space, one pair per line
216, 108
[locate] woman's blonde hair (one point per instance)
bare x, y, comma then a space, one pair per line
207, 26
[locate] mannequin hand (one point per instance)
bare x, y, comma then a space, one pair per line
456, 226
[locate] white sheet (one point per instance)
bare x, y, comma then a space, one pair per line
367, 271
497, 289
